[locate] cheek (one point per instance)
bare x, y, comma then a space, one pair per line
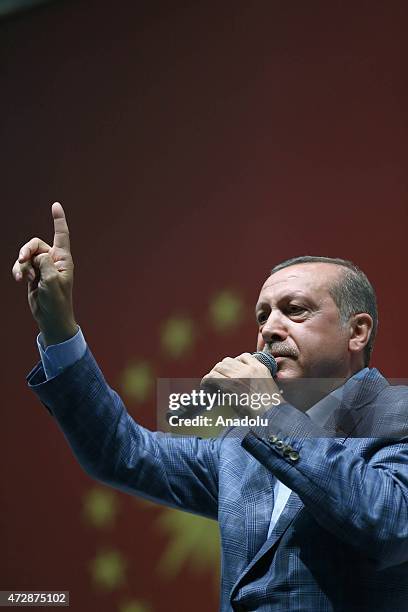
260, 343
326, 344
312, 348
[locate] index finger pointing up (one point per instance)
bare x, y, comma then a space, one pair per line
61, 233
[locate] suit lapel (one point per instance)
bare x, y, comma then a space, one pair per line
292, 507
291, 510
257, 494
289, 513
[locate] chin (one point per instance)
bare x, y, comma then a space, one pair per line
288, 369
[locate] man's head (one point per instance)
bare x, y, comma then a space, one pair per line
318, 315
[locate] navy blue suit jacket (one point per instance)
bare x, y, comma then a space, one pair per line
341, 543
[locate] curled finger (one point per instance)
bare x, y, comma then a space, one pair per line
23, 271
32, 247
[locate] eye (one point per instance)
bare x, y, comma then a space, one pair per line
296, 309
261, 318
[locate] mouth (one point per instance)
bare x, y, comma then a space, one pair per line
280, 357
280, 361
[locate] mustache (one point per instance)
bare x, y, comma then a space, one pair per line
280, 349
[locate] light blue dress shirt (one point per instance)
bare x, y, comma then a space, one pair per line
57, 357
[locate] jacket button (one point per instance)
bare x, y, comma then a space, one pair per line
272, 439
293, 456
279, 444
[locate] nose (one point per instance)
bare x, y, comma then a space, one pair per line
275, 328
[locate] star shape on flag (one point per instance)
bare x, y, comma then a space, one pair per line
177, 336
135, 606
194, 542
226, 310
108, 569
137, 380
100, 506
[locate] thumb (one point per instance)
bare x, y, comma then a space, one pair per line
45, 264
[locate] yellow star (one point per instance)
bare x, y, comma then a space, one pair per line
100, 506
226, 310
134, 606
137, 380
177, 336
194, 541
108, 569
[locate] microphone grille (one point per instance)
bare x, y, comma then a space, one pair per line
267, 360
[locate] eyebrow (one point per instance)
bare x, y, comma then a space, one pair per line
260, 306
296, 294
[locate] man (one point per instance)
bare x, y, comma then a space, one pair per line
313, 509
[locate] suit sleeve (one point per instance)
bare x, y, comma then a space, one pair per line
362, 502
181, 472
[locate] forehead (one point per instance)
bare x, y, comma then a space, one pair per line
311, 279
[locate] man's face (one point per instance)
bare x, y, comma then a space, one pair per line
300, 324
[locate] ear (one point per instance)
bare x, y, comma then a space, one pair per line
361, 325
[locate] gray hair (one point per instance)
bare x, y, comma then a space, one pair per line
352, 292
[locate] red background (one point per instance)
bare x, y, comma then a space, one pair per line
193, 146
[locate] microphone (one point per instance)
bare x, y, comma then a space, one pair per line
191, 411
267, 360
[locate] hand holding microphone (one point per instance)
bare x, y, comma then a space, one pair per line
246, 374
268, 360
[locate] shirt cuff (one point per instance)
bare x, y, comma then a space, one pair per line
56, 357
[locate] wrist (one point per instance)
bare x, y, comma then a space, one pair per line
58, 335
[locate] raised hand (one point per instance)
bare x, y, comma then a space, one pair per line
49, 272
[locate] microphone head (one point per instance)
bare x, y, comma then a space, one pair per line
268, 360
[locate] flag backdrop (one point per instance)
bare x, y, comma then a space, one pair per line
193, 146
